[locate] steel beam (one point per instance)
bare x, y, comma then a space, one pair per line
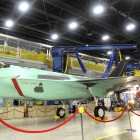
74, 11
113, 2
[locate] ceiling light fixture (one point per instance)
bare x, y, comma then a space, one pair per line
99, 9
9, 23
130, 27
54, 36
73, 25
23, 6
127, 58
109, 52
105, 37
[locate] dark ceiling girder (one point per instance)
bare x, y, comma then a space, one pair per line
60, 19
119, 12
74, 11
46, 22
55, 17
51, 15
43, 32
113, 2
7, 10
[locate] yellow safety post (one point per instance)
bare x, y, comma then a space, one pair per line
56, 117
120, 55
66, 68
81, 111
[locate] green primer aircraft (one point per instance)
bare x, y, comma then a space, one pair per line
34, 84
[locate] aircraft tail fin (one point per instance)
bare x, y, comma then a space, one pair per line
119, 70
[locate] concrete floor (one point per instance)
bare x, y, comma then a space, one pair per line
72, 130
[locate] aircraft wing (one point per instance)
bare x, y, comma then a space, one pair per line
101, 86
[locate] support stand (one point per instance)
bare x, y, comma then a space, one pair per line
82, 126
81, 111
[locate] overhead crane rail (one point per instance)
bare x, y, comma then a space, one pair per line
59, 54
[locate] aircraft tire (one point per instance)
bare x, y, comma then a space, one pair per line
99, 111
61, 112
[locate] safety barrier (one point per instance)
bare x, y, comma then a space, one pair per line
6, 111
105, 120
81, 110
46, 110
19, 111
32, 110
134, 112
38, 131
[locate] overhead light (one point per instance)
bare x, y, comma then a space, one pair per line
105, 37
73, 25
109, 52
127, 58
54, 36
23, 6
130, 27
98, 9
9, 23
87, 45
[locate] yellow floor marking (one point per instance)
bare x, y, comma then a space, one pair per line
104, 137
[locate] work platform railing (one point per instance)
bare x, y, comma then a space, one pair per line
12, 52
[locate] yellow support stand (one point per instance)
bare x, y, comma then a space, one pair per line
117, 109
105, 118
56, 117
98, 118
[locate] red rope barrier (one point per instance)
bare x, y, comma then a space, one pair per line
32, 110
89, 108
46, 110
134, 113
104, 120
7, 111
19, 111
39, 131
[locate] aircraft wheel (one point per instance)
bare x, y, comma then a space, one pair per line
99, 111
60, 112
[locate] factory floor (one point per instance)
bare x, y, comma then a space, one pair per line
72, 130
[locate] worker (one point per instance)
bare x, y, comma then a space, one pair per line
74, 106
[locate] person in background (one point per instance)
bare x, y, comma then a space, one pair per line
74, 106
